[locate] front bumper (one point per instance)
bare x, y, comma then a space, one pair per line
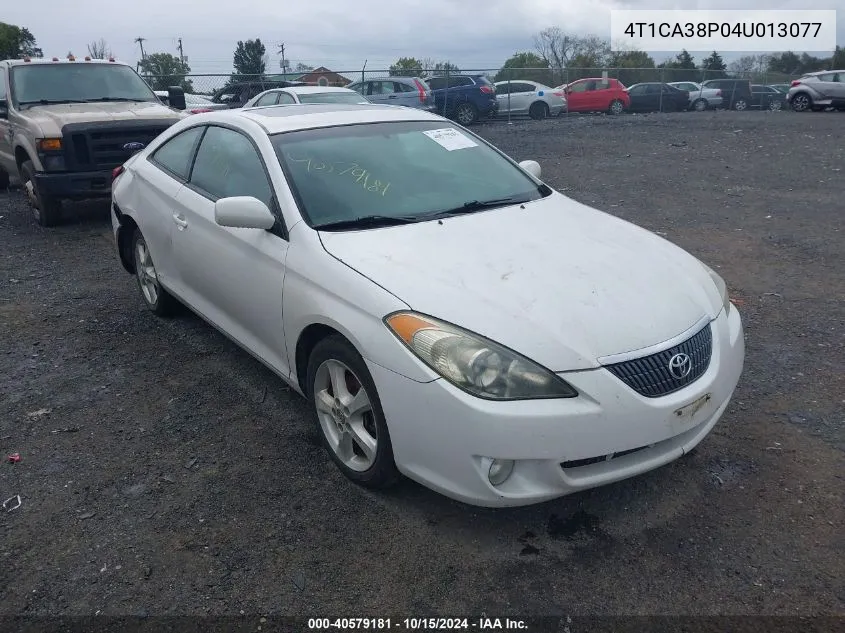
444, 438
75, 185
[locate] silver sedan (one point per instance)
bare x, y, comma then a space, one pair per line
530, 98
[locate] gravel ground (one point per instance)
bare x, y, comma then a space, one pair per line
166, 472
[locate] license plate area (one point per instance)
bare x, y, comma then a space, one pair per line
686, 415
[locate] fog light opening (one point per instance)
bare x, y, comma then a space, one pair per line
500, 470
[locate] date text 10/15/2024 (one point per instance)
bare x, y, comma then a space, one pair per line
417, 624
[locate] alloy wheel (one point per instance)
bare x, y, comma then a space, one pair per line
346, 415
800, 103
146, 272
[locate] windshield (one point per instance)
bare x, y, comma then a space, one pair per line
331, 97
78, 82
408, 169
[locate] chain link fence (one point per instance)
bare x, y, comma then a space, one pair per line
220, 87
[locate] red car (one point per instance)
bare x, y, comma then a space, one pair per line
597, 95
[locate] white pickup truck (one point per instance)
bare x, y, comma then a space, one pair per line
700, 99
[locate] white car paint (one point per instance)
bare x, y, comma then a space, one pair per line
298, 94
565, 285
700, 98
517, 97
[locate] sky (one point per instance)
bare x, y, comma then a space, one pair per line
342, 35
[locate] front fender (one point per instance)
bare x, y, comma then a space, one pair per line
321, 290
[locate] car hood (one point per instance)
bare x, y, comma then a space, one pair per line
51, 118
555, 280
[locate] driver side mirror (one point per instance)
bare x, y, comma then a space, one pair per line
243, 212
532, 167
176, 97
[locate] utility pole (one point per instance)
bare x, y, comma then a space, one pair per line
181, 52
140, 42
283, 62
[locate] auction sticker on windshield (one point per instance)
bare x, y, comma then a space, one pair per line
450, 138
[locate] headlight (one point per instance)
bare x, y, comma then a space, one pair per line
721, 286
475, 364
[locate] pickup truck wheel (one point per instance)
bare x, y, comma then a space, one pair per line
466, 114
47, 210
700, 105
538, 110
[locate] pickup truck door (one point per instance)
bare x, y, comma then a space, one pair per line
7, 157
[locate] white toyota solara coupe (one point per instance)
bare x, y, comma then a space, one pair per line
448, 315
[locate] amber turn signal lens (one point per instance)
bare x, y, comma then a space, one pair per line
50, 144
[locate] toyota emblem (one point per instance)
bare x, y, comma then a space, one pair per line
680, 365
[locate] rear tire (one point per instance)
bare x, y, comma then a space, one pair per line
699, 105
466, 114
157, 299
538, 110
46, 209
740, 105
616, 107
801, 102
349, 418
774, 106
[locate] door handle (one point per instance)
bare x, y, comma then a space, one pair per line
392, 97
181, 222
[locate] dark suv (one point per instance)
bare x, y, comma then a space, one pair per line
464, 98
736, 93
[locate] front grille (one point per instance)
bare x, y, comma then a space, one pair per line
650, 376
93, 146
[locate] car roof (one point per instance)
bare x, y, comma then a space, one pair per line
822, 72
302, 90
52, 61
287, 118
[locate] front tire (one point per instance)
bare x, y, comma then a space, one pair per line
348, 412
46, 209
157, 299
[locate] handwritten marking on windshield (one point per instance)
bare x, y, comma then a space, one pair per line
361, 175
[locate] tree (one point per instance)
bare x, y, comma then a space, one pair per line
682, 68
787, 63
444, 68
249, 59
162, 70
565, 51
303, 68
714, 67
407, 67
17, 42
99, 50
525, 65
744, 65
838, 59
632, 67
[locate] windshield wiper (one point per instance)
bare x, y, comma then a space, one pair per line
367, 221
474, 205
49, 101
